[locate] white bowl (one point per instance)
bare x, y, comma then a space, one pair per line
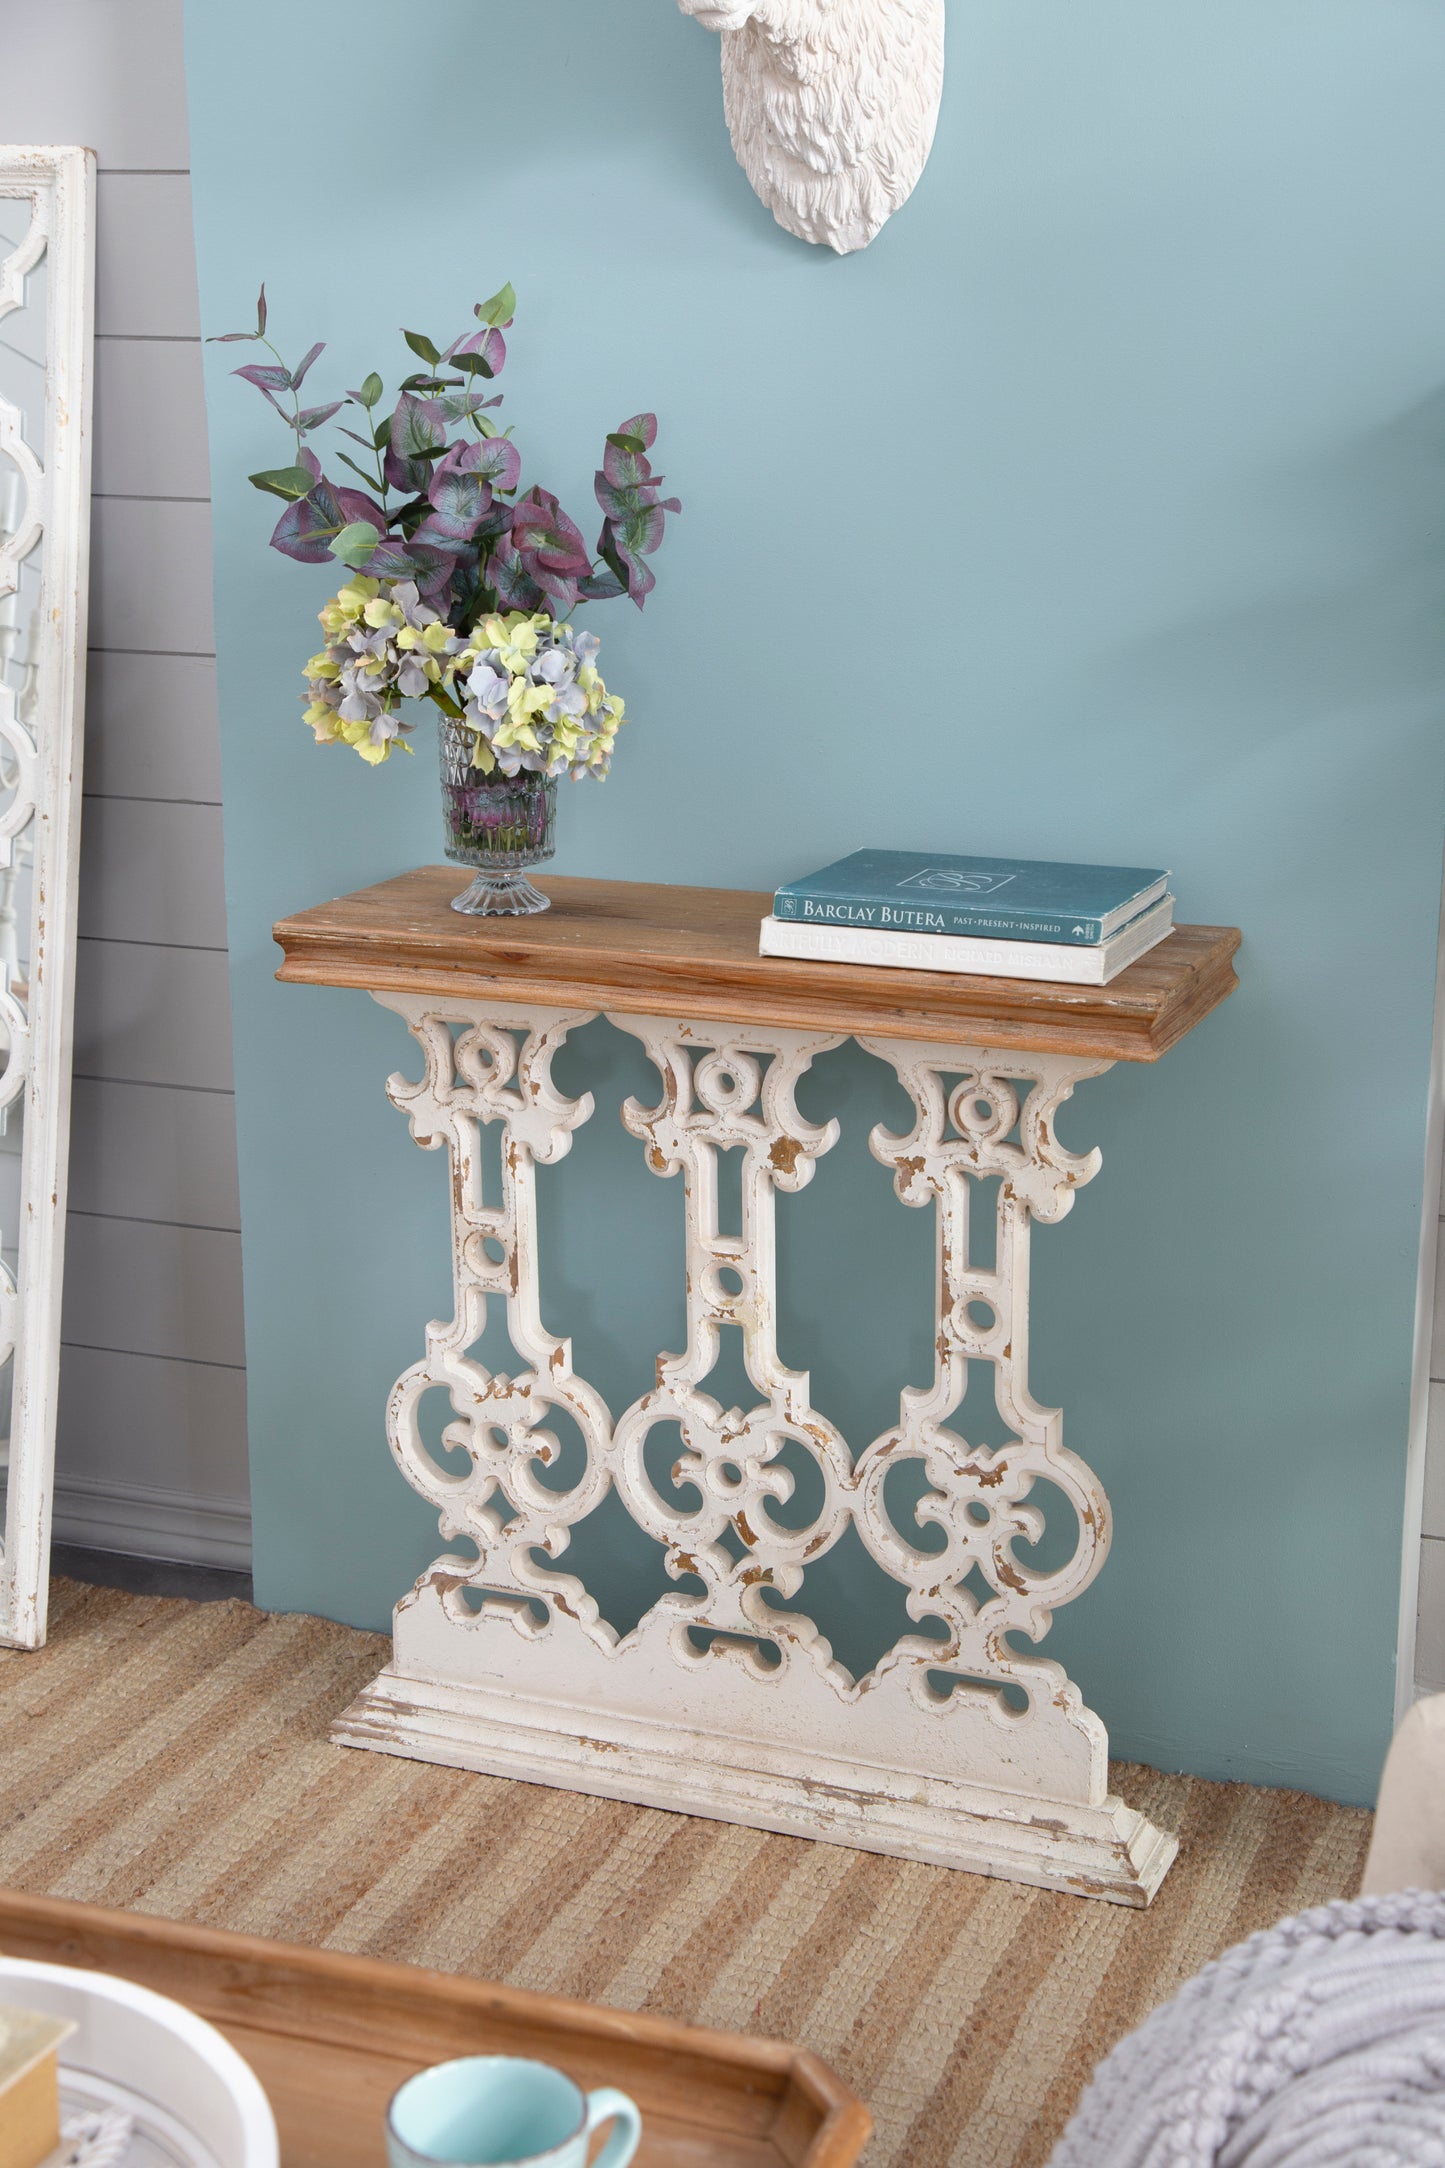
196, 2103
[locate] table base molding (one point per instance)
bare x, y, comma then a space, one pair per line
1108, 1851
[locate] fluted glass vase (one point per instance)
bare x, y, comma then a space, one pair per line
500, 824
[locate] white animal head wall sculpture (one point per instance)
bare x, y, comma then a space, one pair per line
831, 105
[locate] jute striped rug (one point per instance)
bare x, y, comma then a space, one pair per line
172, 1757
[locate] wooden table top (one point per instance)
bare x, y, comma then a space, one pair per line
640, 948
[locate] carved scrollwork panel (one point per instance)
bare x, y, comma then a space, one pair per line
955, 1746
725, 1089
731, 1088
474, 1077
973, 1125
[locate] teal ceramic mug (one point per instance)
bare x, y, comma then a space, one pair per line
497, 2111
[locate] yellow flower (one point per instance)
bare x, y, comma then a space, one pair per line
347, 604
514, 637
524, 700
321, 666
379, 612
358, 737
322, 720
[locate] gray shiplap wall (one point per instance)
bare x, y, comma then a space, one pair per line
152, 1445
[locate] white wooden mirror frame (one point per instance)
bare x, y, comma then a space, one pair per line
40, 753
831, 105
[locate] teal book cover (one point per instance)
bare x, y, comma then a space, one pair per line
1018, 899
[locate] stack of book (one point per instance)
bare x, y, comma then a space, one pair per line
1007, 918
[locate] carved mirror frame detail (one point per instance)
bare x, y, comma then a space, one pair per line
59, 183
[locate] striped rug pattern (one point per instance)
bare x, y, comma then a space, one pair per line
172, 1758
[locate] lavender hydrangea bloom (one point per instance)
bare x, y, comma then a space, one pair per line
532, 695
381, 649
487, 690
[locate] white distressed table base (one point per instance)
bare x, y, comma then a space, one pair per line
959, 1747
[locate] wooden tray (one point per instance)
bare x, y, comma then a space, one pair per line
331, 2037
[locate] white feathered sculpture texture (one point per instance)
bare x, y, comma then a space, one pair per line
831, 105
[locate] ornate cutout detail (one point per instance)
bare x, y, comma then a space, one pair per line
499, 1503
719, 1701
26, 254
716, 1098
831, 105
964, 1134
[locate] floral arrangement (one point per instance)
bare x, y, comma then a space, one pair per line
462, 583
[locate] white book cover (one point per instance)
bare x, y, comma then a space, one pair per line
1063, 963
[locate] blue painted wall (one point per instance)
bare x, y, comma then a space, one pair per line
1094, 511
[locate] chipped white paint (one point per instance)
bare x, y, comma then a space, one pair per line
726, 1699
831, 105
40, 741
500, 1421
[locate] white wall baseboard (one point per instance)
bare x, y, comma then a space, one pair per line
149, 1522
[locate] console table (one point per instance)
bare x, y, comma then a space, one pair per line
957, 1747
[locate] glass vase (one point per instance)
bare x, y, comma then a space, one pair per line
501, 824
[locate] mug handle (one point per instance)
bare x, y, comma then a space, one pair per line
602, 2106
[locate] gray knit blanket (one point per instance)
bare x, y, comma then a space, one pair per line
1316, 2044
